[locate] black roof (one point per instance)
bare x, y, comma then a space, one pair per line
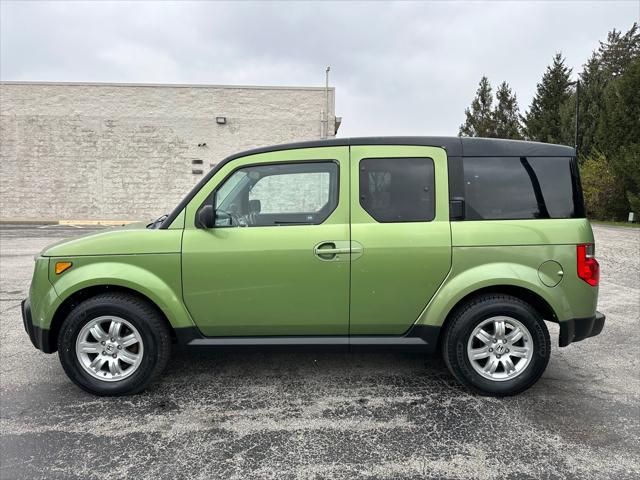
455, 146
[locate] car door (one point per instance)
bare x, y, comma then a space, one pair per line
400, 223
277, 260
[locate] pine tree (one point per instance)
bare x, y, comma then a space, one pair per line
619, 130
619, 51
612, 59
609, 113
506, 116
479, 117
592, 84
543, 122
568, 120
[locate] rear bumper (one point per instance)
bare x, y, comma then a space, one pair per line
38, 336
578, 329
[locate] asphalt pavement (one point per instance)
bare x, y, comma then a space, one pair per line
343, 416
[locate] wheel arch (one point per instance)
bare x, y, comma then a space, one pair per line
526, 295
77, 297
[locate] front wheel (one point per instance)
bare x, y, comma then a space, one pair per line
114, 344
497, 345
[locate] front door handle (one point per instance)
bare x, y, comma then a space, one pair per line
326, 250
331, 250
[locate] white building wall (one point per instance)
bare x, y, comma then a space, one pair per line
124, 152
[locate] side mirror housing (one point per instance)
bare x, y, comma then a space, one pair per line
205, 218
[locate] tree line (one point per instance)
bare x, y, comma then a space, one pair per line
608, 136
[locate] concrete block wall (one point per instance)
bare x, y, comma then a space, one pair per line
127, 152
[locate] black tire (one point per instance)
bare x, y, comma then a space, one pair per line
466, 318
144, 317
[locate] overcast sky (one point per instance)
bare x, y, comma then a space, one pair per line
398, 68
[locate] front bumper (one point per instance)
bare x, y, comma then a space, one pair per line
578, 329
39, 337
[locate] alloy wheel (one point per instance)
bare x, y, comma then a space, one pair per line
109, 348
500, 348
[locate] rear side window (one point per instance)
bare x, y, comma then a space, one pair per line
398, 189
508, 188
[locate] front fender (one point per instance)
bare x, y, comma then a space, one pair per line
463, 282
156, 276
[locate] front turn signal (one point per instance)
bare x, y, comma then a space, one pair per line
63, 267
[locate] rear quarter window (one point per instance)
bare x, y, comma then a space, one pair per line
508, 188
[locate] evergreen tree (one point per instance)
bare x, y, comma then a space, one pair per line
506, 116
479, 117
543, 121
619, 131
568, 120
612, 59
619, 124
592, 84
619, 51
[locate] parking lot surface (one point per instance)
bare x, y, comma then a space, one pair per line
305, 415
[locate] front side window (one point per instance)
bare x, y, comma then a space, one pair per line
398, 189
292, 192
303, 193
501, 188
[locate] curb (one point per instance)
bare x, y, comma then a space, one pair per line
96, 222
66, 222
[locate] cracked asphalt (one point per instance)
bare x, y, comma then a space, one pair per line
344, 416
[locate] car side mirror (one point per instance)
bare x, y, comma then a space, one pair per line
205, 217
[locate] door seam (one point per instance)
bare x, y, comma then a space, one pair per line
350, 240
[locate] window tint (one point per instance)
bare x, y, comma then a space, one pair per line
278, 194
398, 189
521, 188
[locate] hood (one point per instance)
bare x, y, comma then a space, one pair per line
131, 239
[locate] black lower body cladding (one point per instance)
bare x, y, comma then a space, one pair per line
578, 329
419, 339
39, 337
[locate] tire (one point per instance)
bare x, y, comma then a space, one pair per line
139, 354
475, 331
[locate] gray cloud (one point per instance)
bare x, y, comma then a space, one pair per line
398, 68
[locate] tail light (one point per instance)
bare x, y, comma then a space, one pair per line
588, 267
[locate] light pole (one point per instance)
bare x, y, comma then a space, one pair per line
577, 84
326, 94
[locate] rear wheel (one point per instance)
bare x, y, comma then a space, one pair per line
114, 344
497, 345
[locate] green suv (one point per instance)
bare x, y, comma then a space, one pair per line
462, 246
